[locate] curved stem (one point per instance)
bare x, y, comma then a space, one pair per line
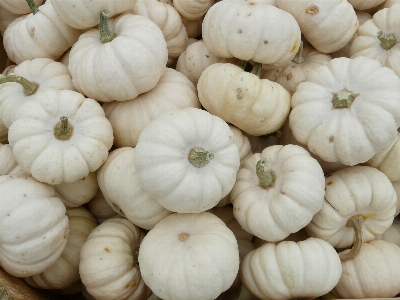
29, 87
32, 6
267, 179
355, 222
343, 99
298, 58
106, 35
387, 40
63, 130
199, 157
257, 69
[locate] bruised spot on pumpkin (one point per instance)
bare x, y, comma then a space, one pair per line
239, 94
239, 30
312, 9
265, 42
329, 183
251, 3
107, 249
331, 139
294, 47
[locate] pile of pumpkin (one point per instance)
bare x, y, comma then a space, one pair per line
201, 149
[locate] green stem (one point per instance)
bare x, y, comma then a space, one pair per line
243, 64
355, 222
199, 157
343, 99
387, 40
29, 87
4, 295
298, 58
267, 179
106, 35
63, 130
257, 69
32, 6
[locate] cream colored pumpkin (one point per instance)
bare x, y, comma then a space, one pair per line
107, 266
30, 78
379, 38
193, 27
373, 273
120, 185
126, 60
170, 262
238, 29
289, 270
195, 59
289, 77
192, 9
33, 225
39, 34
347, 111
85, 14
256, 106
60, 136
392, 234
18, 7
327, 25
355, 193
129, 118
100, 209
277, 192
193, 166
298, 236
365, 4
79, 192
64, 272
168, 19
8, 165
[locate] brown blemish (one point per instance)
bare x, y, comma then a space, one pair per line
331, 139
289, 76
107, 249
239, 30
312, 10
329, 183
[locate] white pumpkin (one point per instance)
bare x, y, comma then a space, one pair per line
290, 270
8, 165
33, 225
347, 111
193, 166
28, 79
18, 7
392, 234
129, 118
100, 209
193, 27
277, 192
85, 14
373, 273
125, 60
256, 106
358, 197
379, 38
192, 9
327, 25
170, 262
107, 265
365, 4
38, 34
60, 136
121, 188
238, 29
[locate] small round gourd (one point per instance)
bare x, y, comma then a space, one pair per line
192, 9
169, 260
193, 166
100, 209
8, 165
307, 269
392, 234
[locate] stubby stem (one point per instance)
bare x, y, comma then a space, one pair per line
387, 40
257, 69
199, 157
29, 87
298, 58
243, 64
32, 6
343, 99
267, 179
4, 295
63, 130
355, 222
106, 35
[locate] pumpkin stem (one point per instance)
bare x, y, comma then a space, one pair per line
398, 129
243, 64
63, 130
106, 35
4, 295
32, 6
387, 40
355, 222
136, 256
267, 179
257, 69
29, 87
298, 58
199, 157
343, 99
